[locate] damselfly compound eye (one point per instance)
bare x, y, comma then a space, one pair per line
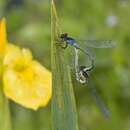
64, 35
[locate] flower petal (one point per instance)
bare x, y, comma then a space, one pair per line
26, 81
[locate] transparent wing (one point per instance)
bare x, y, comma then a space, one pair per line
96, 43
98, 101
88, 52
85, 57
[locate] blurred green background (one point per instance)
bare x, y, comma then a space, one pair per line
29, 26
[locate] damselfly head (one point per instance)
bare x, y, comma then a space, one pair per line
64, 35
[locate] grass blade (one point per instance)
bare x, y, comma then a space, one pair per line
64, 114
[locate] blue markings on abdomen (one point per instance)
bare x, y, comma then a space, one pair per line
71, 42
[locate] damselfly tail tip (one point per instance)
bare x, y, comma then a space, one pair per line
107, 114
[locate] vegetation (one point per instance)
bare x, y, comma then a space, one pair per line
64, 115
29, 25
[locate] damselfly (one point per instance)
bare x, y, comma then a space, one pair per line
82, 71
84, 48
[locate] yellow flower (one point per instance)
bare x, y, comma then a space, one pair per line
25, 80
3, 42
3, 39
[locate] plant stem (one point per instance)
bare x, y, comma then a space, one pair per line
5, 123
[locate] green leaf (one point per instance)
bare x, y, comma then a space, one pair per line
64, 114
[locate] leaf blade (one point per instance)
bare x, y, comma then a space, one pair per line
64, 114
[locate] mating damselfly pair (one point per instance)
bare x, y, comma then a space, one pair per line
82, 72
